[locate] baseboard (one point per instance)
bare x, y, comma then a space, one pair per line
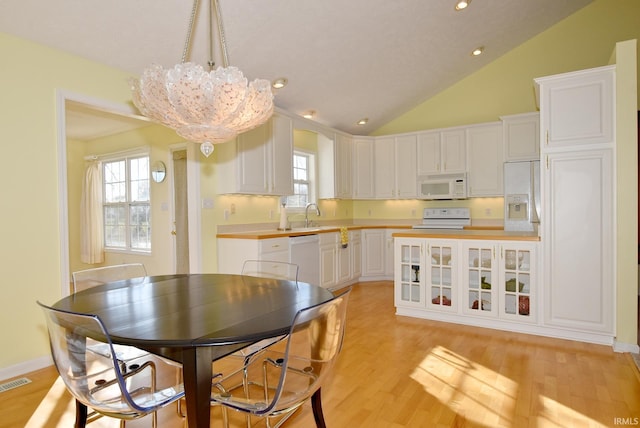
626, 347
25, 367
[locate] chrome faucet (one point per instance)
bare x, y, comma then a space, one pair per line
306, 213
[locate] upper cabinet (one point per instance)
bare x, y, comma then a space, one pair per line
521, 133
344, 161
485, 154
335, 159
395, 167
259, 161
441, 152
384, 167
363, 168
405, 166
577, 108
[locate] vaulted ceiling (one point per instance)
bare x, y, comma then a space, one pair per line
344, 59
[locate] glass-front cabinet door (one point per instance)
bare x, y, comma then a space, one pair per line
409, 272
517, 281
480, 278
442, 279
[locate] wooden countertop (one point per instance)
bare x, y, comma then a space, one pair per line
268, 234
472, 232
484, 234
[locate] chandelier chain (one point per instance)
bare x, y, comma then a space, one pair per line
215, 4
187, 43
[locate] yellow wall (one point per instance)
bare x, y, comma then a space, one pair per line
30, 249
626, 59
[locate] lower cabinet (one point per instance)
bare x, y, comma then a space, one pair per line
442, 273
467, 281
340, 265
373, 253
328, 276
233, 252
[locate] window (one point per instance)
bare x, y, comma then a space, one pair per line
303, 180
127, 204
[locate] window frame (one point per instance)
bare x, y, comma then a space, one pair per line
128, 204
312, 179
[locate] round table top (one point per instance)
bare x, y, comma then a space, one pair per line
195, 310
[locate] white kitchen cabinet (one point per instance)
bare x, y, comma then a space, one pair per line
363, 181
344, 170
485, 160
578, 187
389, 260
355, 243
373, 253
395, 167
577, 108
578, 232
328, 271
259, 161
406, 183
410, 272
343, 262
442, 275
480, 278
384, 168
233, 252
521, 133
518, 281
441, 152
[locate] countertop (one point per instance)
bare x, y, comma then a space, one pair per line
484, 233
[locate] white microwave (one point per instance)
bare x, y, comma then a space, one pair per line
442, 186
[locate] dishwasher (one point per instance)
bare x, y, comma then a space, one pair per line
305, 252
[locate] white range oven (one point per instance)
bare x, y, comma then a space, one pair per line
444, 218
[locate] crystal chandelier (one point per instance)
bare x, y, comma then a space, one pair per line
206, 107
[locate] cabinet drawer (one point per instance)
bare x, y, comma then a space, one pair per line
272, 245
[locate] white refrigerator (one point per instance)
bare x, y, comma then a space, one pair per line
522, 196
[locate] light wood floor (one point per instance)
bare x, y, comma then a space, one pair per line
402, 372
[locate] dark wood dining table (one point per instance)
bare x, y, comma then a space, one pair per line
196, 319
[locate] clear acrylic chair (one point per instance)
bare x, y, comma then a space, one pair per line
284, 376
100, 383
267, 269
271, 269
88, 278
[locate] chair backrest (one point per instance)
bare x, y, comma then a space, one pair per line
270, 269
88, 278
99, 382
310, 351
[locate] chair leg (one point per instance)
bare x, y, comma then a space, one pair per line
81, 415
316, 404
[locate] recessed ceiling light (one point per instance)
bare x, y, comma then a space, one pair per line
363, 121
462, 4
477, 51
309, 115
279, 83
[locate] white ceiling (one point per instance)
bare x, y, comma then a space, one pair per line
345, 59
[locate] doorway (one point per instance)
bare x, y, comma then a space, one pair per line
81, 114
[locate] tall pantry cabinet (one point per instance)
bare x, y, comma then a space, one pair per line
577, 127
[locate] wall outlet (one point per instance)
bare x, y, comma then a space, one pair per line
226, 214
413, 212
233, 208
207, 203
369, 212
487, 211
